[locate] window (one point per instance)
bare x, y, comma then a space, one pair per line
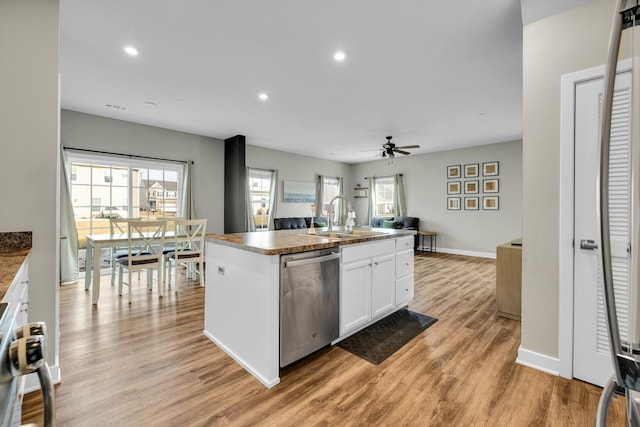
384, 197
330, 190
105, 187
260, 196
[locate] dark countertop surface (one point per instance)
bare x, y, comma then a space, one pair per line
283, 242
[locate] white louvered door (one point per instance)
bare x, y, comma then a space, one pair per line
592, 358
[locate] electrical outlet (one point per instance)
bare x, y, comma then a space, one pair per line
221, 270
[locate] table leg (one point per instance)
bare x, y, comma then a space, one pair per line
88, 265
95, 293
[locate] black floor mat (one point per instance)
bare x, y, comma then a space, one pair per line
378, 341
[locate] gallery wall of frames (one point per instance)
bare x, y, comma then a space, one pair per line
473, 186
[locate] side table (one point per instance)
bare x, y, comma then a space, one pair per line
433, 239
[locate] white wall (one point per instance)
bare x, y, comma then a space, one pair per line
29, 111
571, 41
294, 167
79, 130
425, 180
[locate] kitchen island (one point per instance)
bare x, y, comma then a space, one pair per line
242, 295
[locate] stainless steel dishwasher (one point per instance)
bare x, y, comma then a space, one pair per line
309, 302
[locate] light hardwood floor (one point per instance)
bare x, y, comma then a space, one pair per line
148, 364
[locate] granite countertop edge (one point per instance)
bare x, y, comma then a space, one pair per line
284, 242
12, 260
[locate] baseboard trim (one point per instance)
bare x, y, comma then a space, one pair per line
32, 383
491, 255
267, 383
538, 361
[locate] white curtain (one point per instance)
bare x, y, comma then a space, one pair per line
399, 202
273, 197
319, 194
187, 210
68, 231
372, 199
250, 220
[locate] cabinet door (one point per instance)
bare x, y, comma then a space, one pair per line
404, 290
355, 295
383, 280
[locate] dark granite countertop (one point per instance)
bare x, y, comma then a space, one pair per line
283, 242
14, 249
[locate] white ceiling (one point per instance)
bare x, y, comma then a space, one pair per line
426, 72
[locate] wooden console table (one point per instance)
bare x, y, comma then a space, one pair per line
509, 279
433, 239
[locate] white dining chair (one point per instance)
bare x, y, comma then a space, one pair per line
188, 248
144, 252
118, 226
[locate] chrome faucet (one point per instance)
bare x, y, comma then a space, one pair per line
349, 207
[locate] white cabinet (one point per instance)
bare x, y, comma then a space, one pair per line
367, 283
18, 294
382, 286
355, 295
404, 285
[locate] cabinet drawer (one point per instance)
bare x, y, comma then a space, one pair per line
404, 243
367, 250
404, 263
404, 290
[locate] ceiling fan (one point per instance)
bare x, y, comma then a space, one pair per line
389, 149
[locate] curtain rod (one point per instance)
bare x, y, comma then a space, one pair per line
401, 174
84, 150
261, 169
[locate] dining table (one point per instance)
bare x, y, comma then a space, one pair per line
95, 244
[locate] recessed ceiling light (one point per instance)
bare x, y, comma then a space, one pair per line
482, 114
149, 104
339, 56
130, 50
263, 96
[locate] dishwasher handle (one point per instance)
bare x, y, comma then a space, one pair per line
314, 260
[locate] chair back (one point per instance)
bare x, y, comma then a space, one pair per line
189, 238
146, 240
119, 225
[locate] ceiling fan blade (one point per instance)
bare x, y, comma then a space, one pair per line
373, 149
409, 146
402, 152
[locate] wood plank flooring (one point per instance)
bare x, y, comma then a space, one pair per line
148, 364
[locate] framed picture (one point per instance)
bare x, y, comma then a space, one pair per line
471, 171
471, 187
471, 203
490, 169
490, 185
299, 192
453, 171
453, 203
490, 203
453, 187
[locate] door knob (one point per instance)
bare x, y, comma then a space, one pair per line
588, 244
